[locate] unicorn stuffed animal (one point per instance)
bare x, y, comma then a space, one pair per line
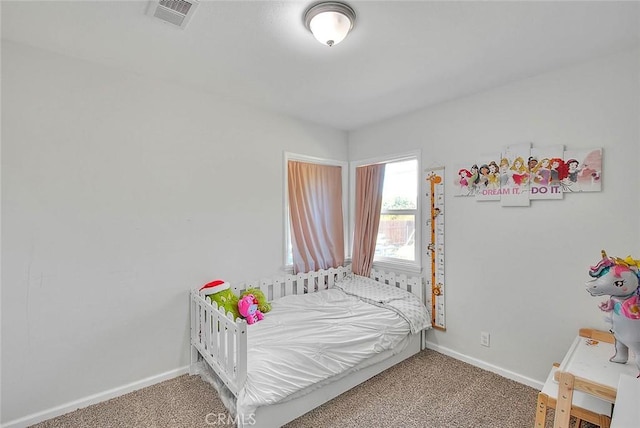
619, 279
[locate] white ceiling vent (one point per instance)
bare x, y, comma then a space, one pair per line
176, 12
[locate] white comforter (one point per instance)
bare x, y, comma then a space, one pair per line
306, 339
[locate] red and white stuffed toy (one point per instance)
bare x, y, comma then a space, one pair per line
220, 293
214, 287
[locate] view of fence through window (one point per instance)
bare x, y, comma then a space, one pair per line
396, 233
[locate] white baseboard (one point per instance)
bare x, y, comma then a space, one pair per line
486, 366
94, 399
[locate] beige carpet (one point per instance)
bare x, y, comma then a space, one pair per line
429, 390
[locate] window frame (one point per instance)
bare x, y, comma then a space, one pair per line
288, 267
414, 266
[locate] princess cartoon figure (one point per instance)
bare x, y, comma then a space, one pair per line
520, 174
484, 176
464, 175
505, 172
542, 172
559, 170
494, 176
474, 179
574, 171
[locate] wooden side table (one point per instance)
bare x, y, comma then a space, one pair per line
584, 407
586, 367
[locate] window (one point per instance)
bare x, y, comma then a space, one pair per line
398, 230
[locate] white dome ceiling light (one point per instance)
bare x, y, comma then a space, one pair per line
330, 22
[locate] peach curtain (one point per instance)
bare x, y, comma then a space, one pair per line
315, 209
369, 182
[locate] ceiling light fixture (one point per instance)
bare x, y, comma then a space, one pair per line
330, 22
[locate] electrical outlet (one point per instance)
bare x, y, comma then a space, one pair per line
484, 338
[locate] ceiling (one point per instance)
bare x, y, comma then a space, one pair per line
401, 55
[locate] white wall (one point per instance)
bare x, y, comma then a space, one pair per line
119, 194
515, 272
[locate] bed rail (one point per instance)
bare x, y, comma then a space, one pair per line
221, 340
411, 284
310, 282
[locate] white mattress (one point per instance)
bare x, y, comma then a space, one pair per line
307, 339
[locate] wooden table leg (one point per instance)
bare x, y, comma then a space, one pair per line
541, 410
565, 397
605, 421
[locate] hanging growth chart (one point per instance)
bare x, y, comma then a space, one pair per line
434, 213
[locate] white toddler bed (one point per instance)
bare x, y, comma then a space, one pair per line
327, 332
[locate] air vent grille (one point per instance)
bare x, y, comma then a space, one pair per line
176, 12
180, 6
